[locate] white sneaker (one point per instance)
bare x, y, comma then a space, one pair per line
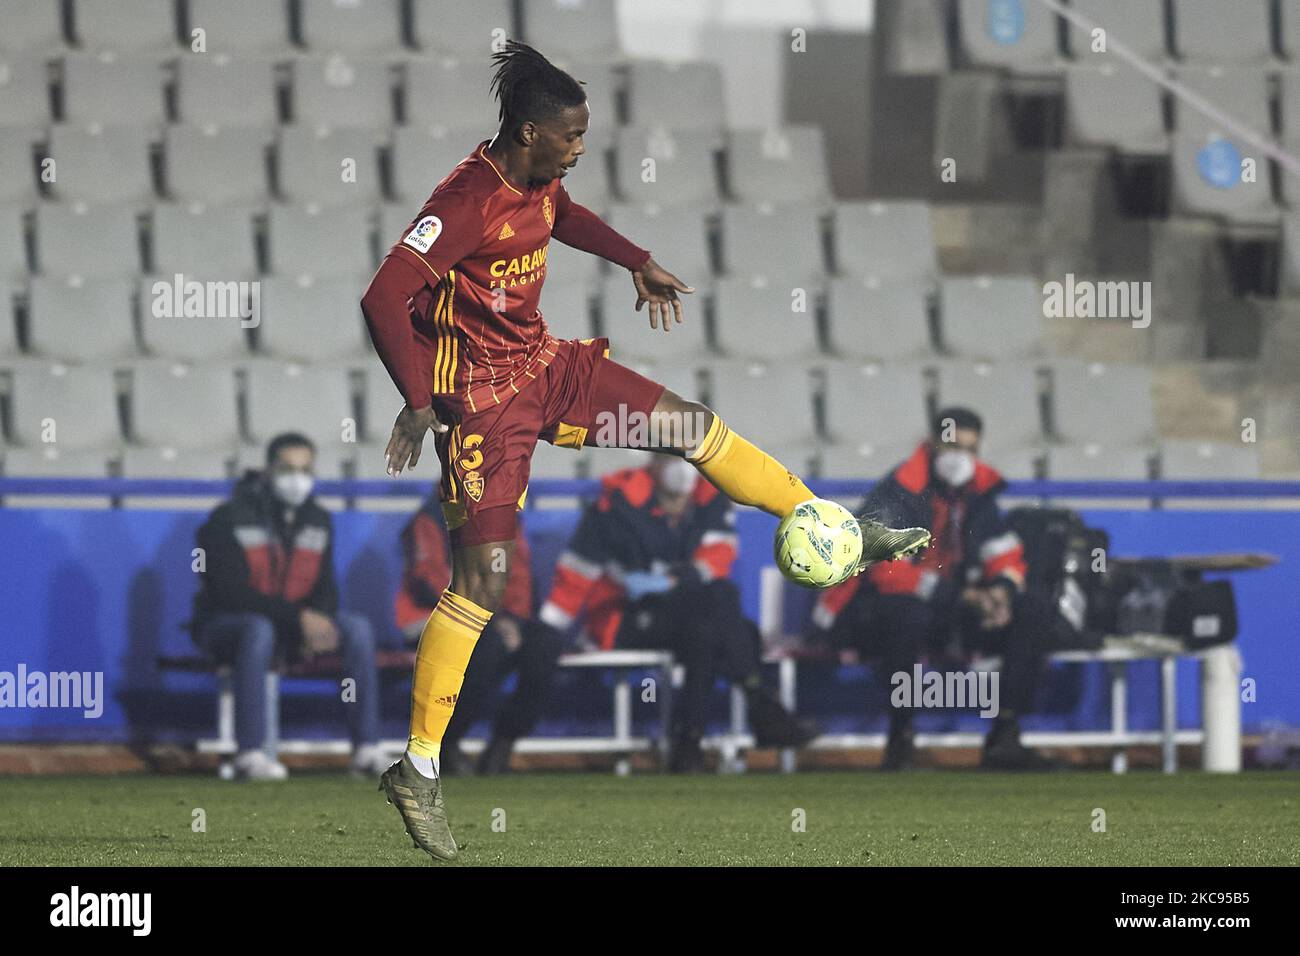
370, 759
259, 765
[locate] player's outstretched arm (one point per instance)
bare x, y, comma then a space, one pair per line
659, 287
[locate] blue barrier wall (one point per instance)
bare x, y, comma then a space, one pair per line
108, 590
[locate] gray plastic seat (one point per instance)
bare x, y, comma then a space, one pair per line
862, 460
168, 400
1290, 253
87, 322
204, 243
991, 317
13, 246
1240, 92
55, 461
1094, 462
657, 90
341, 91
566, 264
312, 319
312, 240
1198, 459
684, 170
216, 166
61, 231
787, 164
450, 93
601, 82
1021, 37
358, 26
754, 319
571, 28
137, 27
168, 461
80, 403
460, 27
245, 27
188, 339
332, 458
766, 404
311, 166
874, 319
1138, 26
766, 240
566, 307
1207, 180
1216, 32
678, 235
24, 91
1289, 27
216, 89
630, 331
17, 158
38, 29
422, 157
1004, 395
368, 465
588, 182
1091, 93
113, 89
101, 164
314, 400
882, 405
1108, 404
890, 240
9, 350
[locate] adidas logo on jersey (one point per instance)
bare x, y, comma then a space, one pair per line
506, 232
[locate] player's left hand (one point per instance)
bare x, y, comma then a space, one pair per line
659, 287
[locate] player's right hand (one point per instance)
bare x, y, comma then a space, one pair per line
404, 444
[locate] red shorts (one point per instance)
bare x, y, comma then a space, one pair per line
486, 455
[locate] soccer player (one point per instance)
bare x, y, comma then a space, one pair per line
453, 315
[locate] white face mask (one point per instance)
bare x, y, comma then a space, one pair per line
954, 467
292, 487
677, 476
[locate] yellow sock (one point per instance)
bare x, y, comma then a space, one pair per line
446, 644
747, 474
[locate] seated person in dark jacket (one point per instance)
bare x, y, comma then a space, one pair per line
648, 568
511, 642
268, 596
965, 592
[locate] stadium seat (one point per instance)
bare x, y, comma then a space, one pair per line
24, 91
83, 321
341, 91
1094, 402
467, 28
444, 94
884, 406
312, 165
39, 30
786, 165
765, 240
319, 241
765, 403
679, 235
1091, 93
216, 89
1207, 180
62, 230
630, 332
1093, 462
101, 164
189, 339
421, 157
1241, 92
1138, 26
1016, 464
602, 84
80, 404
112, 89
203, 243
18, 160
880, 320
888, 240
861, 460
55, 461
168, 461
355, 27
1290, 251
566, 307
991, 317
1215, 32
381, 401
243, 27
1289, 28
215, 165
683, 173
9, 350
1198, 459
1005, 395
656, 91
568, 264
571, 28
312, 318
13, 244
316, 401
754, 318
167, 397
1018, 36
135, 27
333, 460
588, 182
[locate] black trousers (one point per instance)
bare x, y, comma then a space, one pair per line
535, 661
703, 627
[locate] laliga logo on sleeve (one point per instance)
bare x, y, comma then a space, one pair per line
424, 234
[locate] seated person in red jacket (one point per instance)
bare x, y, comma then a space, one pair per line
964, 592
268, 595
648, 566
511, 642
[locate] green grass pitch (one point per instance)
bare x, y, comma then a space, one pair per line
924, 818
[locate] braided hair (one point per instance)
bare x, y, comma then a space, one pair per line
529, 87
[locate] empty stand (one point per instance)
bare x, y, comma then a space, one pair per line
766, 241
342, 91
461, 28
24, 90
656, 91
1004, 395
201, 242
184, 406
316, 401
216, 89
665, 167
889, 240
1094, 462
785, 165
76, 239
317, 241
1106, 404
72, 409
136, 27
1021, 37
216, 166
883, 406
764, 403
1197, 459
1214, 32
756, 319
991, 317
13, 245
571, 28
356, 27
566, 306
86, 321
678, 236
1138, 26
312, 319
631, 332
111, 89
1091, 93
334, 167
244, 27
101, 164
878, 319
212, 337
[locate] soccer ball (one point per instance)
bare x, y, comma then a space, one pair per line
818, 544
